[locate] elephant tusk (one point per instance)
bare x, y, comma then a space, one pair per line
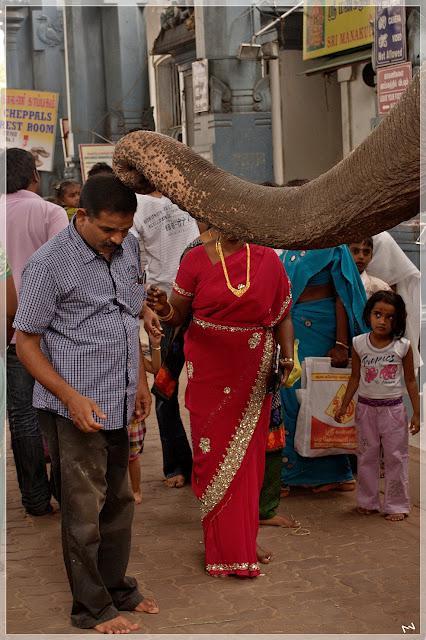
374, 188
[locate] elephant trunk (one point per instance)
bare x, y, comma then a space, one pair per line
374, 188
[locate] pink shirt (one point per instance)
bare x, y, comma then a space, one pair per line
30, 222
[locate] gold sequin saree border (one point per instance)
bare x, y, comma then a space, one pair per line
241, 438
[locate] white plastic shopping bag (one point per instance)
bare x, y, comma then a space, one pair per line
317, 433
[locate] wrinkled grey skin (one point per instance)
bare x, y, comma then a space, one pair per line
372, 189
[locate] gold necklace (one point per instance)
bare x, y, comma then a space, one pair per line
242, 288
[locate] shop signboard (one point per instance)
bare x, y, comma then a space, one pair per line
330, 27
90, 154
390, 42
392, 81
30, 123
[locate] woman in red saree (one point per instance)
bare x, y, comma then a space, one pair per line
239, 297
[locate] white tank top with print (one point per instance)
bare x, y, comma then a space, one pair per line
381, 369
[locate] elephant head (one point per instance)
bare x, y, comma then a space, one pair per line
374, 188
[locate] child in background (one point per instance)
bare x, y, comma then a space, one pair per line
378, 360
362, 253
68, 196
137, 428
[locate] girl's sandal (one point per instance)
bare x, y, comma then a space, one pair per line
284, 492
396, 517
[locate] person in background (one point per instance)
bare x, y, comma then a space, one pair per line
390, 263
30, 222
362, 253
137, 428
164, 231
380, 361
68, 196
328, 301
99, 168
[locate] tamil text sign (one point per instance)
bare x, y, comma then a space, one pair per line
90, 154
392, 81
390, 45
335, 27
200, 85
30, 123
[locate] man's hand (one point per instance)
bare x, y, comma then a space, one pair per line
143, 403
81, 410
339, 356
151, 322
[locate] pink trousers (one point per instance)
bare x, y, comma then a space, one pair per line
388, 425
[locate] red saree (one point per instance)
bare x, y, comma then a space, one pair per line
228, 351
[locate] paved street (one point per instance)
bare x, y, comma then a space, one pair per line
350, 575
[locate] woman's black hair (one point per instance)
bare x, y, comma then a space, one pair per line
389, 297
63, 186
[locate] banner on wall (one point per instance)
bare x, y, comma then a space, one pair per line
90, 154
335, 27
30, 123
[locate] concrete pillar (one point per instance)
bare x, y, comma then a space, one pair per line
126, 69
236, 133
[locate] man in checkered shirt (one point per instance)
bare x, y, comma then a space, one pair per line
78, 335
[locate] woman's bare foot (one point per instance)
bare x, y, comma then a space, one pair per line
365, 512
175, 482
323, 488
263, 556
148, 605
350, 485
288, 522
116, 625
396, 517
335, 486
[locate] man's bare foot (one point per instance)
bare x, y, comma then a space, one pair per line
137, 496
175, 482
365, 512
116, 625
263, 556
148, 605
288, 522
396, 517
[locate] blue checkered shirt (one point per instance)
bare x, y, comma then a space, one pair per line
87, 312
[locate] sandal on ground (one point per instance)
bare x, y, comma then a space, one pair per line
284, 492
396, 517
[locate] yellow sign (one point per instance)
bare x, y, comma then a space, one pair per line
338, 26
30, 123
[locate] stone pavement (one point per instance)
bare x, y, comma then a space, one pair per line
350, 575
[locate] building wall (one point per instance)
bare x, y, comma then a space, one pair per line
363, 106
311, 119
107, 68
